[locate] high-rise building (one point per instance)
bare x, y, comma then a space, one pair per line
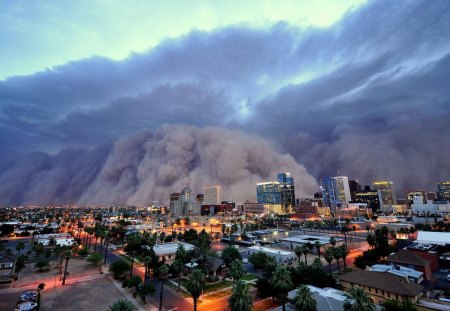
213, 195
268, 192
411, 194
287, 191
335, 191
386, 192
444, 191
354, 188
186, 204
368, 196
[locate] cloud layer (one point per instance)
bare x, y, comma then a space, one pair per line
366, 97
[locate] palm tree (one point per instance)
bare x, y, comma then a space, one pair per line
195, 285
303, 300
332, 241
163, 271
358, 300
329, 257
337, 256
305, 251
20, 246
371, 240
67, 256
180, 256
282, 283
318, 246
240, 299
298, 252
122, 305
237, 270
344, 253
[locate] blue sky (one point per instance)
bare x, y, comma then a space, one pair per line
41, 34
108, 95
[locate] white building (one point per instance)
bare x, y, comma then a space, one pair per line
412, 275
186, 204
280, 256
342, 189
212, 195
432, 237
418, 207
166, 251
294, 241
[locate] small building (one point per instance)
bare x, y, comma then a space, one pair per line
7, 266
408, 259
216, 266
294, 241
381, 286
280, 256
327, 299
413, 275
166, 251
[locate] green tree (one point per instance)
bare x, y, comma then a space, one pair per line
298, 252
20, 264
393, 305
240, 299
317, 245
163, 272
19, 247
344, 252
180, 257
118, 268
42, 265
305, 251
304, 300
337, 256
358, 300
371, 240
282, 284
95, 258
237, 270
328, 255
122, 305
195, 285
230, 254
332, 242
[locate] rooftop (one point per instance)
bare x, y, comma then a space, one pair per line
397, 270
310, 239
407, 257
383, 281
171, 248
428, 237
270, 250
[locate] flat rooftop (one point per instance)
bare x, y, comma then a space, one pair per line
270, 250
305, 239
171, 247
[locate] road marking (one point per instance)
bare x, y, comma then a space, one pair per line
173, 309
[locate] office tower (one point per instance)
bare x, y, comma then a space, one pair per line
444, 191
342, 189
368, 196
354, 188
268, 192
386, 192
213, 195
411, 194
287, 191
335, 191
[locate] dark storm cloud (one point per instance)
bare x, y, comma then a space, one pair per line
366, 97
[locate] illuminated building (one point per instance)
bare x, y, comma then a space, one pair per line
281, 192
186, 204
335, 191
287, 191
444, 190
411, 194
386, 192
268, 192
368, 196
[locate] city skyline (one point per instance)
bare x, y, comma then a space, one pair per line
103, 103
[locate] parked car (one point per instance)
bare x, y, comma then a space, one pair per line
26, 306
448, 277
27, 296
244, 260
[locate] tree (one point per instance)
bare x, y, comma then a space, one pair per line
118, 268
230, 254
333, 242
240, 299
258, 260
237, 270
344, 252
305, 251
358, 300
298, 252
282, 284
328, 255
134, 282
180, 256
67, 256
163, 272
318, 246
42, 265
95, 258
371, 240
20, 264
303, 300
144, 290
122, 305
337, 256
393, 305
19, 247
195, 285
